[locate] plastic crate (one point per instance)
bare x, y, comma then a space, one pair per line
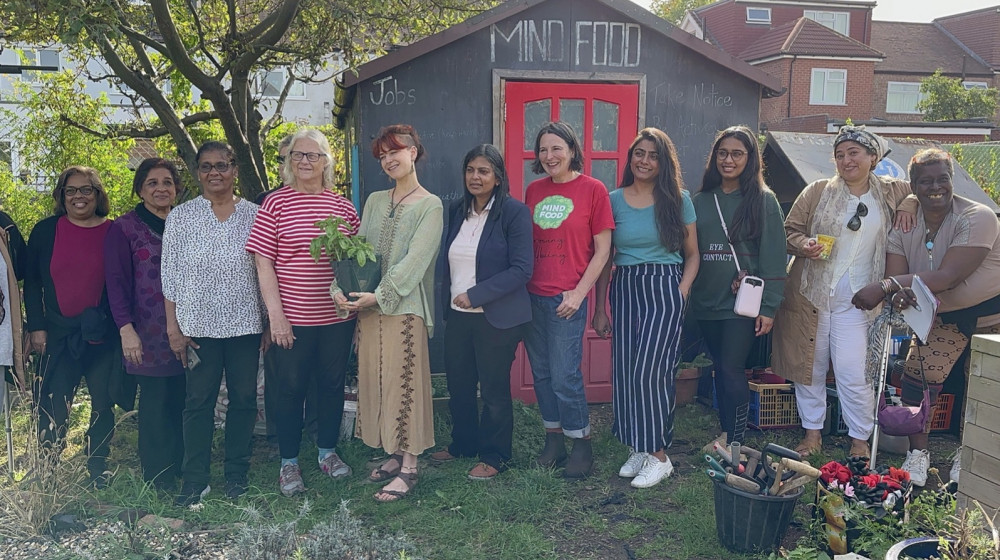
772, 405
835, 424
941, 418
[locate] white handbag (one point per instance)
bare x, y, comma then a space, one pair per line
750, 290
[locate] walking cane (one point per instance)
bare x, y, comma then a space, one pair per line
880, 386
8, 428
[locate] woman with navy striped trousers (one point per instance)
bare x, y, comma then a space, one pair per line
656, 260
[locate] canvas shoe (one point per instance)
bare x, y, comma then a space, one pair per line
653, 471
634, 464
191, 494
334, 466
290, 480
916, 463
956, 466
236, 488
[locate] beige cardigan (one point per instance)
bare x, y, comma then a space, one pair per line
13, 292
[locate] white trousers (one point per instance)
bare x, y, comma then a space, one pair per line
841, 336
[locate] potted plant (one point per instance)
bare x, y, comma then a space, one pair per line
353, 258
686, 381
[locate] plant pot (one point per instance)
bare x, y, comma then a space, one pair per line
686, 385
352, 277
920, 547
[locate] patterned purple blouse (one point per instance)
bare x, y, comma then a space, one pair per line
132, 269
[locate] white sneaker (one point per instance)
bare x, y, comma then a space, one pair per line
633, 466
956, 466
916, 463
653, 471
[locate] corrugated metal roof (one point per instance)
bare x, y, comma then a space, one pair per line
921, 48
806, 37
809, 157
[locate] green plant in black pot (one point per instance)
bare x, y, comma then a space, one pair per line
355, 264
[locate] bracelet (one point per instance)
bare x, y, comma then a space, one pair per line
884, 284
896, 282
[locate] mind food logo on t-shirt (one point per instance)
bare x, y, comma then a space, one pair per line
552, 211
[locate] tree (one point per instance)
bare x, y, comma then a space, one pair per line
946, 99
674, 10
157, 51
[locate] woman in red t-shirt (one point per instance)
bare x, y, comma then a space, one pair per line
572, 239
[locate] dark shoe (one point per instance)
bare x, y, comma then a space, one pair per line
409, 479
100, 480
554, 452
381, 474
581, 459
235, 488
191, 494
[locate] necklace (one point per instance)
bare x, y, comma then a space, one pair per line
929, 239
393, 207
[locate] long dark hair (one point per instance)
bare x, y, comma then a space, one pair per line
748, 219
502, 189
667, 199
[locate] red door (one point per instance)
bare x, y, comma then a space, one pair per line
605, 117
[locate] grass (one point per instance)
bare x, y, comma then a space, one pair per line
526, 513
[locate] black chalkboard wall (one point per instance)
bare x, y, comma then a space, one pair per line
446, 85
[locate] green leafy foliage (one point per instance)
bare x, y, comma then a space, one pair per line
982, 162
947, 99
674, 10
338, 245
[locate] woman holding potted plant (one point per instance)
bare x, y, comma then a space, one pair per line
396, 318
214, 312
656, 259
311, 338
738, 213
488, 262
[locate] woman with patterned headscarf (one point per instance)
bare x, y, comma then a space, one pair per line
836, 232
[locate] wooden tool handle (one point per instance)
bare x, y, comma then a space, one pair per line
800, 467
791, 484
778, 469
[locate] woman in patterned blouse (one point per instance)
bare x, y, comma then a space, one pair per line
214, 311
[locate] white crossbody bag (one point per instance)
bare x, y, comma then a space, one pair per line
749, 289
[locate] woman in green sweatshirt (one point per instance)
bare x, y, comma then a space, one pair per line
733, 186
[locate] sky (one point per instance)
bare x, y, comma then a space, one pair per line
913, 10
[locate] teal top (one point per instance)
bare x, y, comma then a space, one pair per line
636, 238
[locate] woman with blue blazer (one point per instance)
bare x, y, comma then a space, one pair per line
487, 262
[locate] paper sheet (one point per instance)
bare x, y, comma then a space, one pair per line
921, 317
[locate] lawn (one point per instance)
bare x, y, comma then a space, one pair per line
525, 513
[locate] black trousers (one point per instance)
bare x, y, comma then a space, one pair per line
271, 381
320, 355
479, 353
161, 434
55, 391
238, 358
730, 341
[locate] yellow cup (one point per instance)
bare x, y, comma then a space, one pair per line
827, 242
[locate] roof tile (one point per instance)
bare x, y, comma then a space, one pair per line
806, 37
901, 41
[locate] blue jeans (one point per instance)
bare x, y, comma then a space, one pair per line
555, 350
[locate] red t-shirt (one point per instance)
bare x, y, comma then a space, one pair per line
566, 218
281, 232
77, 266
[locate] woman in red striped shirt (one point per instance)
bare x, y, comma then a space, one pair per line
310, 339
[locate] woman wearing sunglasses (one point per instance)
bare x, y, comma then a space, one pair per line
837, 231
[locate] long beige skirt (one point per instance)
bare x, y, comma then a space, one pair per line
395, 411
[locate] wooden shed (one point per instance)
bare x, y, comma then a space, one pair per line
608, 67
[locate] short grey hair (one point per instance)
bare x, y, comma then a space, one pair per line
324, 146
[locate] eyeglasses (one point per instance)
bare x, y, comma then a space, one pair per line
221, 167
85, 191
737, 155
313, 157
280, 159
854, 224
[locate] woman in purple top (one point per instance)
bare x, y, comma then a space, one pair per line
67, 315
132, 252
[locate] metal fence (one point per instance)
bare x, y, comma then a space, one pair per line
982, 161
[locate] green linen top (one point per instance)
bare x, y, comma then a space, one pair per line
407, 243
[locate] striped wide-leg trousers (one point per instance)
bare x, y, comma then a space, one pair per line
647, 312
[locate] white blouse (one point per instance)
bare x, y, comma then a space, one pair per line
462, 256
856, 255
207, 272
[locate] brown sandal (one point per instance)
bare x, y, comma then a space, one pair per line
808, 446
382, 475
409, 479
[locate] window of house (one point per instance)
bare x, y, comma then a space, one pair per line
837, 21
6, 156
273, 82
758, 15
902, 97
43, 57
975, 85
828, 87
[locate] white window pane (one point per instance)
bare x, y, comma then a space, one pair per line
274, 82
816, 87
48, 58
758, 15
835, 92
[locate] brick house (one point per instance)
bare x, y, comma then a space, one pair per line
836, 63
